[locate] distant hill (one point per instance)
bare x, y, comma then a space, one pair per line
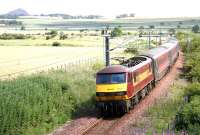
21, 12
15, 13
18, 12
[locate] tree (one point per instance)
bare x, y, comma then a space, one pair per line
180, 23
116, 32
63, 36
82, 30
172, 31
151, 26
162, 23
23, 27
195, 28
141, 30
178, 26
53, 33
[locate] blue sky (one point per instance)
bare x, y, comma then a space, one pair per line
108, 8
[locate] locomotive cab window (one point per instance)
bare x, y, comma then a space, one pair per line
111, 78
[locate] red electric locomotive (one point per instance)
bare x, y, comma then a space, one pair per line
120, 87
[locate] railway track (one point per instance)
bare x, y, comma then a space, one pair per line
100, 127
114, 126
118, 125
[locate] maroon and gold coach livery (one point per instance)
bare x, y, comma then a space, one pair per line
120, 87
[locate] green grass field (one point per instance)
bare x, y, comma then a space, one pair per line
36, 104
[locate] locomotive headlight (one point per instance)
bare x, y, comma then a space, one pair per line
101, 94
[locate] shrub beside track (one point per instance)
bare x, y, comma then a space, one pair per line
38, 103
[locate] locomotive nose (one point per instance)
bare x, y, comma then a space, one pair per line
111, 87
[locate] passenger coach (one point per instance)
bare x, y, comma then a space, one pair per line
120, 87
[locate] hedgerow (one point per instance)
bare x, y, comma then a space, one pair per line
188, 117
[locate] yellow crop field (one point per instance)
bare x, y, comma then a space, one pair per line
29, 58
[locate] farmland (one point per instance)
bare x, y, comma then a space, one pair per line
37, 103
25, 58
40, 23
74, 42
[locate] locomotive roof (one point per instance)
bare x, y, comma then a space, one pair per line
172, 40
155, 52
137, 62
169, 45
130, 65
113, 69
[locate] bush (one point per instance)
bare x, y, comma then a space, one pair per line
52, 33
192, 90
23, 28
195, 28
129, 33
48, 37
116, 32
38, 103
192, 56
131, 50
189, 117
63, 36
56, 44
6, 36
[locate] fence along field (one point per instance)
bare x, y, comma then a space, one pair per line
23, 60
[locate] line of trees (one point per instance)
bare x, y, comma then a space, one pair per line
10, 22
7, 36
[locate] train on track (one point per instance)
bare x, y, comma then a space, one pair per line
120, 87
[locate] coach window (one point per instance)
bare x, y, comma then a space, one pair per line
130, 78
149, 67
135, 77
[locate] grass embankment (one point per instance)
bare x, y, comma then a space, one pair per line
188, 118
160, 116
180, 110
38, 103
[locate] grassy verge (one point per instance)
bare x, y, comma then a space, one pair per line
160, 116
188, 118
38, 103
172, 112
